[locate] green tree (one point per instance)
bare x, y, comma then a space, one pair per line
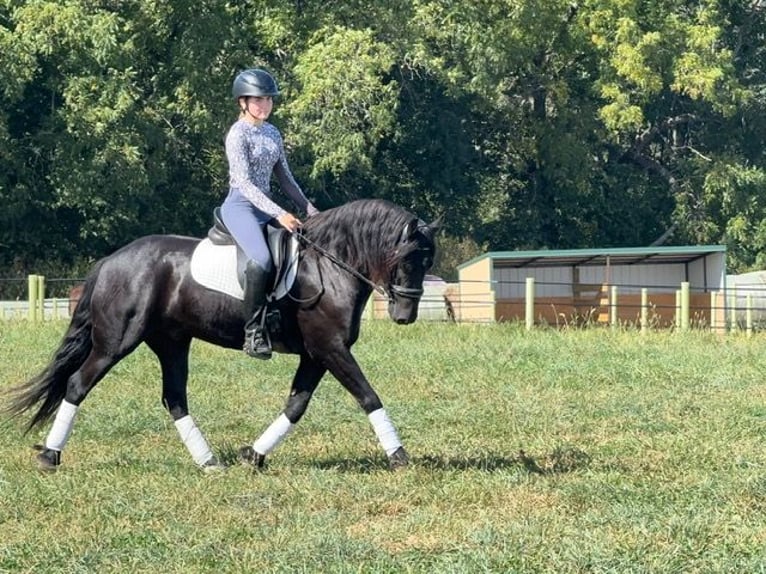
524, 123
680, 85
605, 116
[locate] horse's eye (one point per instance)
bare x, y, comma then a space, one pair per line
427, 262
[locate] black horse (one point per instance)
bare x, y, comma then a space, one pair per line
144, 293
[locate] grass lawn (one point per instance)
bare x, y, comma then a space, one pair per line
549, 451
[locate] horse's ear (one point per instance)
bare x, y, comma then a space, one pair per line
431, 229
416, 225
410, 229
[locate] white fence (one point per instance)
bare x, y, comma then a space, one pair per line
51, 309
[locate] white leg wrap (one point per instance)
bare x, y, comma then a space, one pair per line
273, 435
385, 431
193, 439
62, 426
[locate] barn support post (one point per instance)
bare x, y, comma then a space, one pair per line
677, 314
613, 307
684, 306
529, 303
644, 310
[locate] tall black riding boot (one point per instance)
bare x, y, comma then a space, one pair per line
257, 341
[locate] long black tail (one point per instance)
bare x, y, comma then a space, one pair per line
49, 387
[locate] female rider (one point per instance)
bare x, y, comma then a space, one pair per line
254, 150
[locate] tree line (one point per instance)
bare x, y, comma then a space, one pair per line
524, 123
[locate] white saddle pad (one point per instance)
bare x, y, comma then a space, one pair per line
215, 267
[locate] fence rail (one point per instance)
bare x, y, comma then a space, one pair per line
735, 307
741, 308
36, 306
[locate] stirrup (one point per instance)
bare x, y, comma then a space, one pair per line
257, 343
257, 340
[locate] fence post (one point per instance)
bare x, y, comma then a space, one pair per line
529, 303
644, 310
713, 311
41, 297
32, 297
749, 314
684, 306
613, 307
369, 307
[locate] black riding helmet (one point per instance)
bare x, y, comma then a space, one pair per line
254, 82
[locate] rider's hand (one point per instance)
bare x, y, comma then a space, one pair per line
289, 222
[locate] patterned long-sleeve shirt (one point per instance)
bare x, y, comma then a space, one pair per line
254, 152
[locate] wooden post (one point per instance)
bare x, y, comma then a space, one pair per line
613, 307
369, 306
677, 316
732, 310
644, 310
41, 297
684, 306
529, 303
32, 296
749, 314
713, 311
603, 304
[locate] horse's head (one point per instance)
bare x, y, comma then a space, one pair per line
411, 260
382, 246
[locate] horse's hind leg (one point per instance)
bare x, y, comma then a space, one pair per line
114, 334
174, 360
96, 365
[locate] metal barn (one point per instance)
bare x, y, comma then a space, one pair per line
579, 284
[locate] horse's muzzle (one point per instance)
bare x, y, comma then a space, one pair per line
403, 312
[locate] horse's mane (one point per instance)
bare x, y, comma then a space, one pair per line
364, 233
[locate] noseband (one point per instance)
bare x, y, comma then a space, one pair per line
406, 292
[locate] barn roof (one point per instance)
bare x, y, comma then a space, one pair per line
582, 257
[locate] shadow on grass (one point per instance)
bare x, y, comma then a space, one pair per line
561, 460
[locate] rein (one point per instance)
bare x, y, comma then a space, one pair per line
342, 264
407, 292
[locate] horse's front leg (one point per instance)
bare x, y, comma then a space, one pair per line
305, 382
342, 364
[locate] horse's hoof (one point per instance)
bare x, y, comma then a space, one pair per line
48, 460
398, 459
249, 457
213, 466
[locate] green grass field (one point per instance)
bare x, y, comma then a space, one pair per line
574, 451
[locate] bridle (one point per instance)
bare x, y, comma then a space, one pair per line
391, 288
406, 292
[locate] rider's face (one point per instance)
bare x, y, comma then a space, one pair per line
259, 107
